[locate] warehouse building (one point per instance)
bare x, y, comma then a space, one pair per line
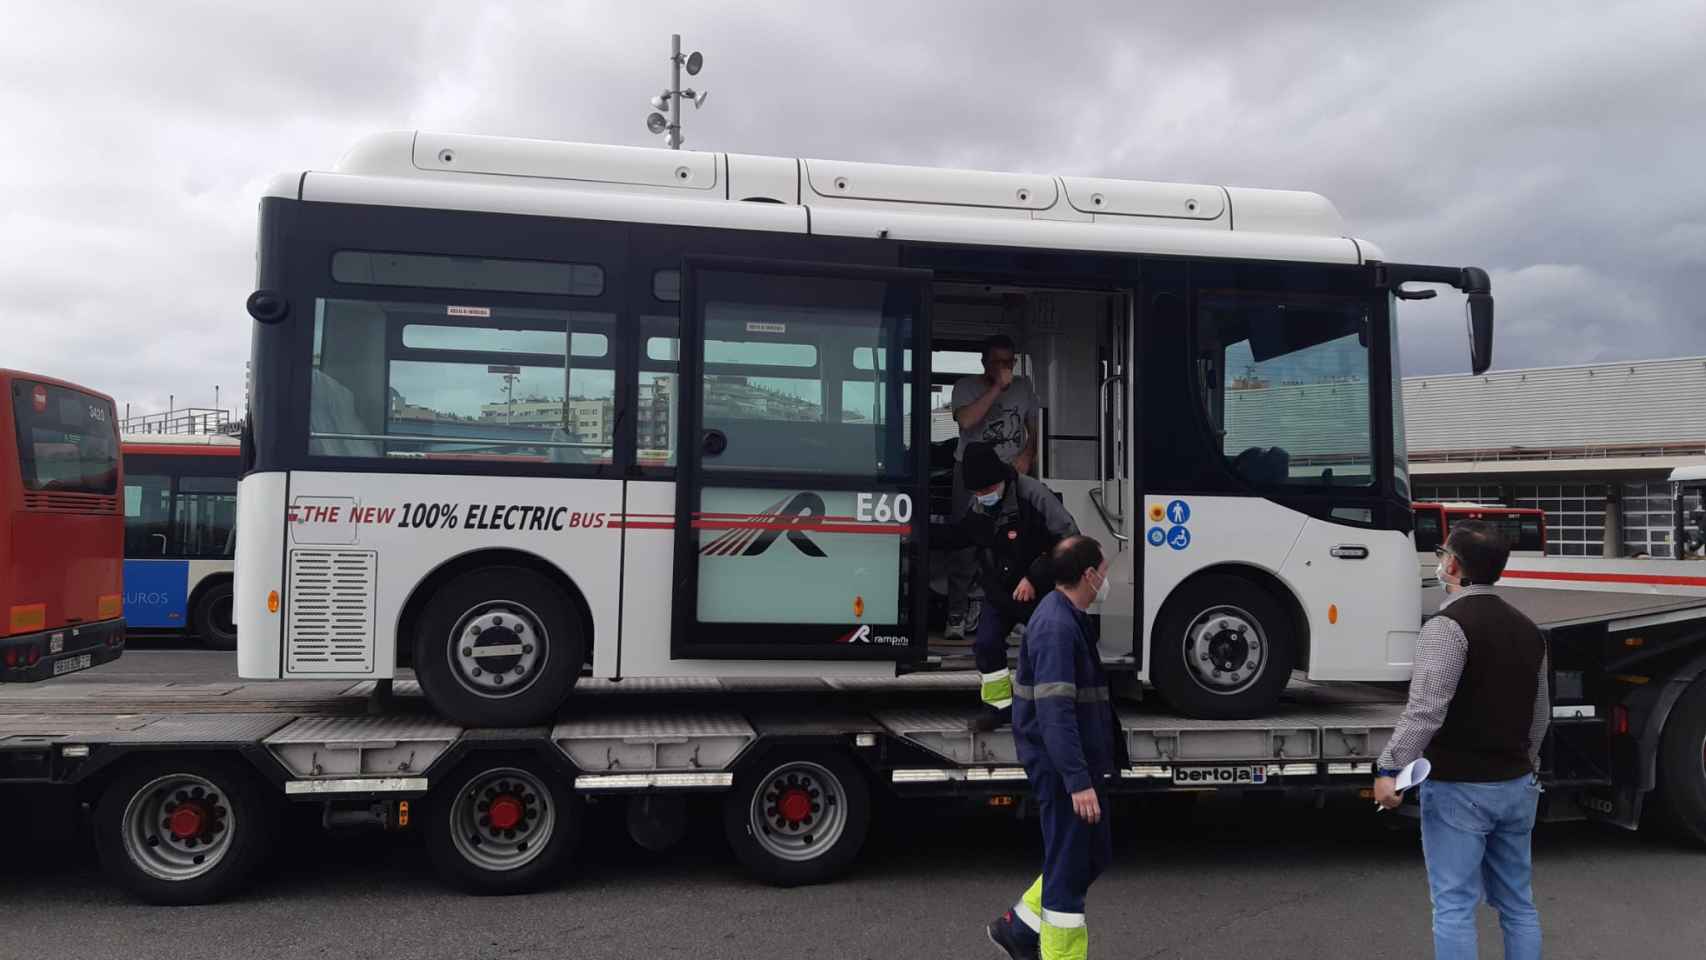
1591, 445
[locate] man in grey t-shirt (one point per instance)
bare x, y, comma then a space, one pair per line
999, 409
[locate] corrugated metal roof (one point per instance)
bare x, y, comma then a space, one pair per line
1601, 404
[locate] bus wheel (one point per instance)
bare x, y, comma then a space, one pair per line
501, 825
498, 647
183, 831
213, 619
1223, 649
1682, 764
797, 817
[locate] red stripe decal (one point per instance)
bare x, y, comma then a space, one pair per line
1654, 578
807, 526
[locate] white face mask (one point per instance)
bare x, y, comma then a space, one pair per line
1102, 588
990, 499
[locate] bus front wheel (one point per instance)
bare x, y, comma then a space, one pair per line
498, 647
1223, 649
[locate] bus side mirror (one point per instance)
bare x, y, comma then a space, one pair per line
1480, 332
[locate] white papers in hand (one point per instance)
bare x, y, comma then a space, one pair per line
1414, 774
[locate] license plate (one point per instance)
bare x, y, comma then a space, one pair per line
1219, 776
73, 664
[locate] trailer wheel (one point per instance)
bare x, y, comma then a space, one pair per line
213, 619
501, 826
1682, 764
498, 647
183, 831
1223, 649
798, 817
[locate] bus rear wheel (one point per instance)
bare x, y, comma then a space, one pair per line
1223, 649
213, 617
498, 647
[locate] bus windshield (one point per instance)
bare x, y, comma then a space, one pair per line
1287, 386
65, 439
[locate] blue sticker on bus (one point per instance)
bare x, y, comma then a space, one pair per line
1178, 538
1157, 536
155, 592
1178, 513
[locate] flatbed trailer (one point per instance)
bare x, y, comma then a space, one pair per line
185, 780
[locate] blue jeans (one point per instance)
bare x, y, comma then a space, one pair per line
1476, 839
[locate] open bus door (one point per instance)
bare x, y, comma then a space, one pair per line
802, 507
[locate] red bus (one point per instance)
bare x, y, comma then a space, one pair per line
62, 544
1525, 527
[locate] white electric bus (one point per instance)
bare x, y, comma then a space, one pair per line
525, 410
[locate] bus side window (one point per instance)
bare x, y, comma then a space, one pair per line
147, 515
1428, 534
206, 514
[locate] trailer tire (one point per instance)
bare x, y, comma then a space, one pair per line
477, 850
827, 794
514, 608
212, 618
1682, 765
183, 831
1210, 632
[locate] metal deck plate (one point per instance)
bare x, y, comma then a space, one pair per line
139, 728
330, 747
655, 742
947, 731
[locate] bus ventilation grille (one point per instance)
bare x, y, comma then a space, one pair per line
329, 624
90, 503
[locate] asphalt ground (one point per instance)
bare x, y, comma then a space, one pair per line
1208, 877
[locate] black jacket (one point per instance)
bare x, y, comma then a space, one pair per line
1014, 539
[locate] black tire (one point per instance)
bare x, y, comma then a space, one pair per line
474, 853
1682, 765
212, 619
1194, 621
839, 786
532, 614
233, 818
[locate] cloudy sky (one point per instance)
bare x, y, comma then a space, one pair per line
1559, 145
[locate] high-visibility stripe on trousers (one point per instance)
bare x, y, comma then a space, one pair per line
1074, 854
998, 688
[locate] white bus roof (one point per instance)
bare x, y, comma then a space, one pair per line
829, 197
1694, 474
180, 439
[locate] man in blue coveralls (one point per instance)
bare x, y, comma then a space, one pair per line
1063, 725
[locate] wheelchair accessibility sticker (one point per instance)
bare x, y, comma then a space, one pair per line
1175, 534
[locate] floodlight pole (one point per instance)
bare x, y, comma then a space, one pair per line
675, 91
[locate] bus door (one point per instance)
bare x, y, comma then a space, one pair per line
801, 510
1079, 343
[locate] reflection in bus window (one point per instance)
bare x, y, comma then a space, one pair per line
1286, 386
755, 324
431, 381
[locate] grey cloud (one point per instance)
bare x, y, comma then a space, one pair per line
1555, 145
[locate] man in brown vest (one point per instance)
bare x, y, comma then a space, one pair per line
1478, 711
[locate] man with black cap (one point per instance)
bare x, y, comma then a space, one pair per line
1013, 524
